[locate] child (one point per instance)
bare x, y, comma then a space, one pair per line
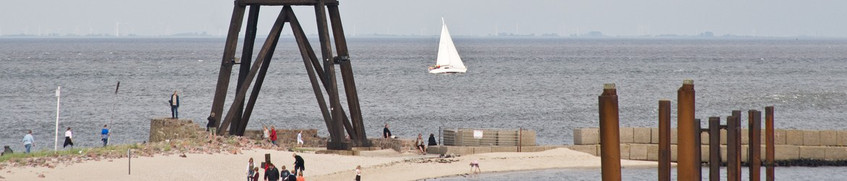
358, 172
255, 173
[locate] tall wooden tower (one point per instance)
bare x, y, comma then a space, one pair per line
321, 71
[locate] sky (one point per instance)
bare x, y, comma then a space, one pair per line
778, 18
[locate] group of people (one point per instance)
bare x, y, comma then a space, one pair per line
271, 135
420, 145
29, 140
274, 174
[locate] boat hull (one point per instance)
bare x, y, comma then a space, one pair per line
444, 70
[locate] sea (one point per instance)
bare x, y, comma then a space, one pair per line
548, 85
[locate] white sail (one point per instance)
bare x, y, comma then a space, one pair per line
448, 60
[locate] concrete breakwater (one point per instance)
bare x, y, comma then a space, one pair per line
642, 144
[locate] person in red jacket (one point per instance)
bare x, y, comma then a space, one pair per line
273, 135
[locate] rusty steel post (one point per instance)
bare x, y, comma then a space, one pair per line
664, 140
755, 134
687, 166
698, 142
714, 148
610, 147
737, 116
769, 144
733, 144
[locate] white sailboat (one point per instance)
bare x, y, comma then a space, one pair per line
448, 60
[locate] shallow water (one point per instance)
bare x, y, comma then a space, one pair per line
780, 173
547, 85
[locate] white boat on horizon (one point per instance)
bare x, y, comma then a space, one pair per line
448, 60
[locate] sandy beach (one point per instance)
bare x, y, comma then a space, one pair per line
377, 165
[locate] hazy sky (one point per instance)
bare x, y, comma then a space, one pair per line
824, 18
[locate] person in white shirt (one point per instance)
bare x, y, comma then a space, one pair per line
69, 138
300, 138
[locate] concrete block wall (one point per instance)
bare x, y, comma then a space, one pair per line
790, 144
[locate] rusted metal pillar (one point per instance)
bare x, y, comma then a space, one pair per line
733, 145
754, 156
664, 140
698, 142
688, 165
715, 148
610, 147
769, 144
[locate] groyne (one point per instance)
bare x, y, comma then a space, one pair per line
642, 144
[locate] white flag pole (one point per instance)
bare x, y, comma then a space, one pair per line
58, 100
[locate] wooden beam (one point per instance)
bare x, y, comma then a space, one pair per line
273, 36
329, 68
360, 138
285, 2
316, 65
258, 85
246, 58
226, 64
302, 42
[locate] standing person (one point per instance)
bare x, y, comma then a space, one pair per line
358, 172
68, 138
265, 132
300, 138
271, 173
299, 164
386, 133
250, 168
273, 135
420, 144
174, 105
432, 140
28, 141
211, 128
104, 134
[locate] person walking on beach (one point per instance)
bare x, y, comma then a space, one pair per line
28, 141
250, 168
300, 138
358, 173
104, 135
273, 136
174, 105
299, 164
210, 127
271, 173
386, 133
68, 138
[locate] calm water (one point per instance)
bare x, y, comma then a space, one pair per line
547, 85
639, 174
